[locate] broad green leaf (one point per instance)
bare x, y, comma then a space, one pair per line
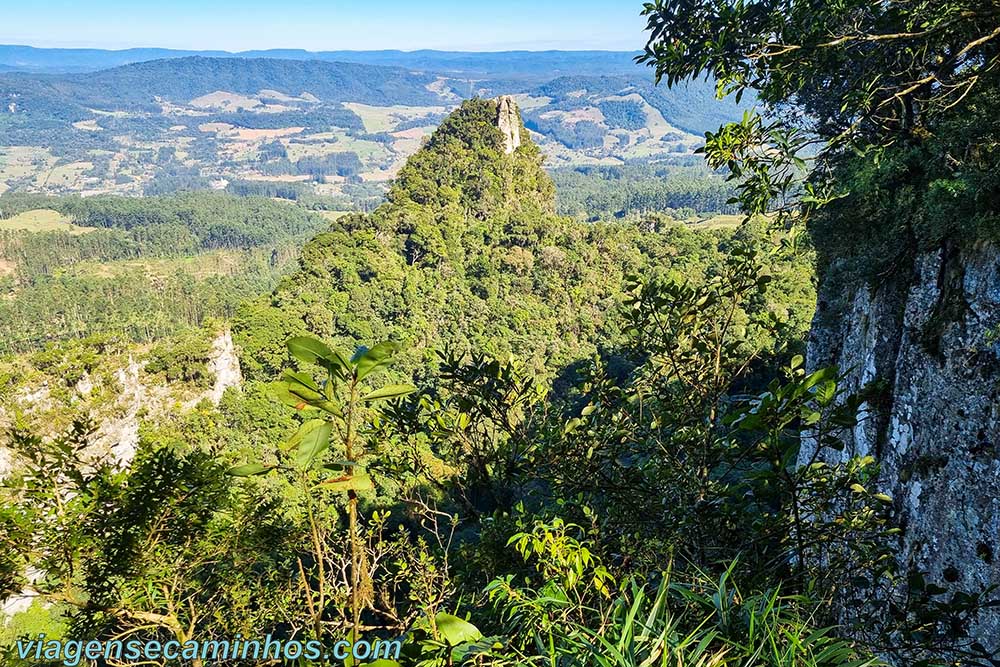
361, 482
309, 349
313, 443
818, 376
368, 361
320, 403
250, 469
313, 351
296, 439
301, 386
455, 630
390, 391
826, 391
279, 392
349, 661
810, 417
463, 654
303, 379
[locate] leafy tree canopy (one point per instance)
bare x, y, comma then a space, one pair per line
870, 67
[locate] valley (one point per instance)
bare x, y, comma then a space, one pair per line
332, 134
545, 358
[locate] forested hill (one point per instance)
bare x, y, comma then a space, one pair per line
468, 255
691, 106
183, 79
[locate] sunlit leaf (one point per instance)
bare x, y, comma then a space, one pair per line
313, 443
296, 439
454, 630
308, 349
250, 469
390, 391
360, 482
302, 387
313, 351
368, 361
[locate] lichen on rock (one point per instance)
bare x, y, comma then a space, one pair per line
930, 335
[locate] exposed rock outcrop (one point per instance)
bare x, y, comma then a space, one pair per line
224, 364
22, 601
933, 337
509, 123
121, 436
136, 397
118, 435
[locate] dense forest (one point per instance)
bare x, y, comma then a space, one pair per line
510, 427
140, 268
485, 263
135, 86
680, 188
515, 322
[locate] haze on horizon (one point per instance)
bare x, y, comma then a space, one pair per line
314, 25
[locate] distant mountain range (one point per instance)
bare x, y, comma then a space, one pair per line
295, 125
138, 85
501, 64
569, 78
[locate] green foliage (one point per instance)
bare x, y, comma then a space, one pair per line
37, 620
72, 361
337, 164
183, 358
153, 266
578, 136
899, 96
691, 106
561, 557
597, 193
166, 226
576, 433
337, 403
468, 255
891, 63
623, 114
135, 86
901, 171
707, 623
462, 167
914, 197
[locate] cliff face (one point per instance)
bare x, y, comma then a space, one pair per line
509, 123
932, 336
130, 397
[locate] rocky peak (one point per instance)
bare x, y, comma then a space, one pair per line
479, 161
509, 123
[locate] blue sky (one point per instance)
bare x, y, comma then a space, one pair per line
325, 24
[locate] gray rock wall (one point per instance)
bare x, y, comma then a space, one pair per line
933, 337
